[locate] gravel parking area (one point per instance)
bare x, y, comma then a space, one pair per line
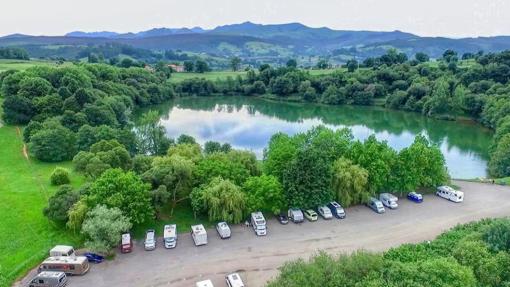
257, 258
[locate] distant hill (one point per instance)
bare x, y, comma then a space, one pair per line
258, 42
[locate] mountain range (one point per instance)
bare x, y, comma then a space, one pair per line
259, 41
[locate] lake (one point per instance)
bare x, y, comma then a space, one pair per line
248, 123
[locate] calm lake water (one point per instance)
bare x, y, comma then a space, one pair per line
248, 123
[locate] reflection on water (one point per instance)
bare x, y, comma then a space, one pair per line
248, 123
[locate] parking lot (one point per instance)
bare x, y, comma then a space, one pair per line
257, 258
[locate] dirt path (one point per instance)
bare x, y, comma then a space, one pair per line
257, 258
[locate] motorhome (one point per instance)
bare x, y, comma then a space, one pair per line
325, 212
376, 205
62, 250
258, 222
337, 210
150, 240
450, 193
170, 236
49, 279
199, 234
296, 215
77, 265
234, 280
223, 230
205, 283
389, 200
126, 244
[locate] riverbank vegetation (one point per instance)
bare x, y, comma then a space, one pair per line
475, 254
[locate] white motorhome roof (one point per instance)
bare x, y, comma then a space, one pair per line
61, 248
49, 274
126, 238
235, 280
66, 259
223, 225
205, 283
169, 230
198, 229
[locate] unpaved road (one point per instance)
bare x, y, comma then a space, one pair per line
257, 258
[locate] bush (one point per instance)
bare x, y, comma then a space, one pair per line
497, 236
60, 203
60, 176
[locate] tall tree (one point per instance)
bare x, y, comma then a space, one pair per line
349, 182
151, 135
235, 63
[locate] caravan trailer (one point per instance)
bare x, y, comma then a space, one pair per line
258, 222
450, 193
78, 265
199, 234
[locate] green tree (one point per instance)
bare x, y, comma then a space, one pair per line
499, 164
125, 191
192, 152
76, 215
291, 63
235, 63
221, 199
349, 182
103, 228
102, 156
60, 176
212, 147
264, 193
421, 57
186, 139
53, 144
352, 65
201, 66
60, 203
189, 66
322, 64
497, 236
151, 135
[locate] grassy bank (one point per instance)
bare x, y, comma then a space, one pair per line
23, 65
26, 234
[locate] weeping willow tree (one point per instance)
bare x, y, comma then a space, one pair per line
349, 182
221, 199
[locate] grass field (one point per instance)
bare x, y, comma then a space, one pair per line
22, 65
25, 234
216, 75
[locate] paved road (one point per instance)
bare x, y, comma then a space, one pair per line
257, 258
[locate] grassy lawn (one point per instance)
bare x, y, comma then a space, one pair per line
25, 234
23, 65
216, 75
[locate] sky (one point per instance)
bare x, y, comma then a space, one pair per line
449, 18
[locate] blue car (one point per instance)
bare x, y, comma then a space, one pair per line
414, 196
94, 258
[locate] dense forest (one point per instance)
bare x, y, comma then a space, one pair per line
13, 53
475, 254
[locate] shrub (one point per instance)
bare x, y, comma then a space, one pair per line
60, 203
60, 176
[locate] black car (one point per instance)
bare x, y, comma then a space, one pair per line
282, 218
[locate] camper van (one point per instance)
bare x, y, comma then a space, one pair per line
77, 265
205, 283
234, 280
150, 240
450, 193
126, 244
376, 205
337, 210
49, 279
223, 230
170, 236
62, 250
389, 200
296, 215
199, 234
258, 222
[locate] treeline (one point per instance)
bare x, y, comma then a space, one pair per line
475, 254
13, 53
225, 184
444, 89
70, 108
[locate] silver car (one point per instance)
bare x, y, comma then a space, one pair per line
150, 240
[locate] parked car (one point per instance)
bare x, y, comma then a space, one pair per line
170, 236
389, 200
310, 215
93, 257
223, 230
205, 283
49, 279
150, 240
376, 205
234, 280
325, 212
414, 196
126, 244
337, 210
296, 215
450, 193
282, 218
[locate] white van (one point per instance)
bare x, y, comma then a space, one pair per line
170, 236
62, 250
234, 280
223, 230
258, 222
205, 283
296, 215
450, 193
199, 234
49, 279
376, 205
389, 200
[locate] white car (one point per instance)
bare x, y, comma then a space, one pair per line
150, 240
325, 212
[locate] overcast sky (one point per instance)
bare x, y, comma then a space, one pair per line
452, 18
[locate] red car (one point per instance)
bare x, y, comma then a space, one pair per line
126, 244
